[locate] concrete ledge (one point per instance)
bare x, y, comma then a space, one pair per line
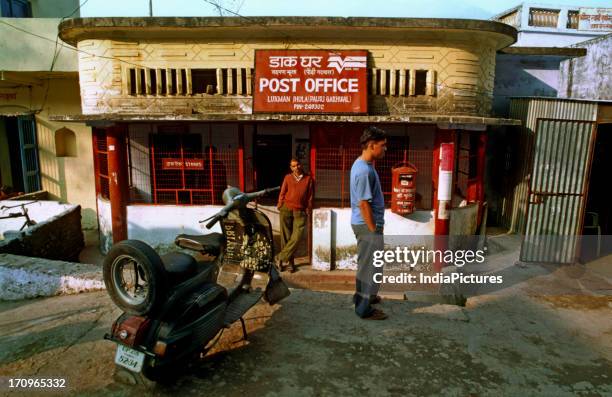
108, 119
56, 237
553, 51
23, 277
78, 29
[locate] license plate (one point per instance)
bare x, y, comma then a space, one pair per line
129, 358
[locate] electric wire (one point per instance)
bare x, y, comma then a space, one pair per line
56, 56
286, 35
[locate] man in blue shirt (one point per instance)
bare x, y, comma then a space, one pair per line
368, 220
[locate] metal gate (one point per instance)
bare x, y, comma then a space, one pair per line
29, 154
557, 190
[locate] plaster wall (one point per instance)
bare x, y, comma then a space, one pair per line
538, 36
524, 75
463, 64
67, 179
588, 77
39, 211
55, 8
551, 38
331, 231
158, 225
58, 236
27, 53
105, 225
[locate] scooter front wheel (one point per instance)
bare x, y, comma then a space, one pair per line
133, 277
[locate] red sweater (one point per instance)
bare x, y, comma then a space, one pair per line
296, 195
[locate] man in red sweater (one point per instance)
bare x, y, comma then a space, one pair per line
294, 203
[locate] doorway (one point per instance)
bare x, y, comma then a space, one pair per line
272, 156
598, 214
19, 163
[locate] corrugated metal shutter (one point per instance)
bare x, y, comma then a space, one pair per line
557, 189
529, 111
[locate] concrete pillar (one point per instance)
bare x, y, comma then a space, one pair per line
443, 170
118, 180
323, 256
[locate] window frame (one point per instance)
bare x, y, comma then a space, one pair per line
10, 13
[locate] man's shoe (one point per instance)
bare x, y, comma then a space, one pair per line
376, 315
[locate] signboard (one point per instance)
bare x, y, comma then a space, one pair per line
178, 164
595, 19
310, 81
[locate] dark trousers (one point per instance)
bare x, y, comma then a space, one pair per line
365, 287
292, 224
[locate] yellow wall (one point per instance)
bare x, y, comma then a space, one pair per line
67, 179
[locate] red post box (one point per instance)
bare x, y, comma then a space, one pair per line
403, 188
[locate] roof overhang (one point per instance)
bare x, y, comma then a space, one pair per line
283, 28
546, 51
270, 117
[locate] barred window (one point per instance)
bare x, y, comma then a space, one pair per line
572, 20
543, 17
402, 82
101, 163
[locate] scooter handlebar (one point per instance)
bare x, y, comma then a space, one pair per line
214, 220
254, 195
241, 199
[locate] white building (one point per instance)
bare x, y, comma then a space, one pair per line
546, 25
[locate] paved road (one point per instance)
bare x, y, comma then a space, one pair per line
313, 345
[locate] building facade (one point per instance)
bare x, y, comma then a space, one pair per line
165, 91
547, 25
39, 78
550, 39
588, 77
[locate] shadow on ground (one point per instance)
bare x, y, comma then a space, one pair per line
313, 345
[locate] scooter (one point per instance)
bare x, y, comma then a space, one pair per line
173, 306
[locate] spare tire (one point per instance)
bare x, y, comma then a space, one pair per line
134, 277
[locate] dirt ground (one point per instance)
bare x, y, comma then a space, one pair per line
312, 344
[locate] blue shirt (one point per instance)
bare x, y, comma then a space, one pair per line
365, 185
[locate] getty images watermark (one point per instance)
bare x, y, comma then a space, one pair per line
476, 264
410, 257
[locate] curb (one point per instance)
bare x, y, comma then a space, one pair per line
23, 277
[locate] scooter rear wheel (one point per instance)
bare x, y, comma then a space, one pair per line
133, 275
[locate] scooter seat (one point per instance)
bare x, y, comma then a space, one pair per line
179, 263
207, 243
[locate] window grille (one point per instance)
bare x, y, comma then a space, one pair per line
572, 20
174, 166
543, 17
334, 160
510, 19
402, 82
467, 162
101, 163
187, 82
